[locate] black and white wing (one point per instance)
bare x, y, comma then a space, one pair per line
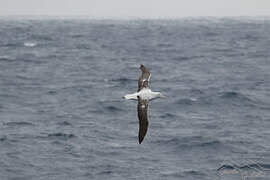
144, 78
143, 120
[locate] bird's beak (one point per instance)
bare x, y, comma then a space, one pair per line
163, 96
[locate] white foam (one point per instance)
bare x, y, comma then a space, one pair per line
29, 44
4, 57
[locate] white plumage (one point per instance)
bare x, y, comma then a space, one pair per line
144, 94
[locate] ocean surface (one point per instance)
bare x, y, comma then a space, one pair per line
62, 115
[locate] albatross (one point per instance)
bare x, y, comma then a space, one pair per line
143, 95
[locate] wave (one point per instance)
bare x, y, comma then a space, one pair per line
51, 92
236, 97
112, 108
186, 58
3, 138
229, 98
64, 123
167, 115
123, 80
164, 45
22, 123
10, 45
42, 37
196, 91
7, 58
245, 167
30, 58
190, 142
194, 173
230, 94
186, 101
105, 172
183, 174
247, 170
61, 135
181, 58
83, 46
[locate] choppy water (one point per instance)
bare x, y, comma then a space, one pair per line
62, 116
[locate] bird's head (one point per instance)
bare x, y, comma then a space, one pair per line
160, 95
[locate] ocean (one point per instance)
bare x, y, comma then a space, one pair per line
62, 115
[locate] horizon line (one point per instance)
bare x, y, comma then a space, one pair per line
91, 17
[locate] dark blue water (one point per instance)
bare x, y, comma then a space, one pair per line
62, 116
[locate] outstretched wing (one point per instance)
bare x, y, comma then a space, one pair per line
143, 120
144, 78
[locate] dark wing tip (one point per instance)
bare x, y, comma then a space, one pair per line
140, 139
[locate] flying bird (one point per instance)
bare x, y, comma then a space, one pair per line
143, 95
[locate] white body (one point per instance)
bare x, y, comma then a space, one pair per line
145, 94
